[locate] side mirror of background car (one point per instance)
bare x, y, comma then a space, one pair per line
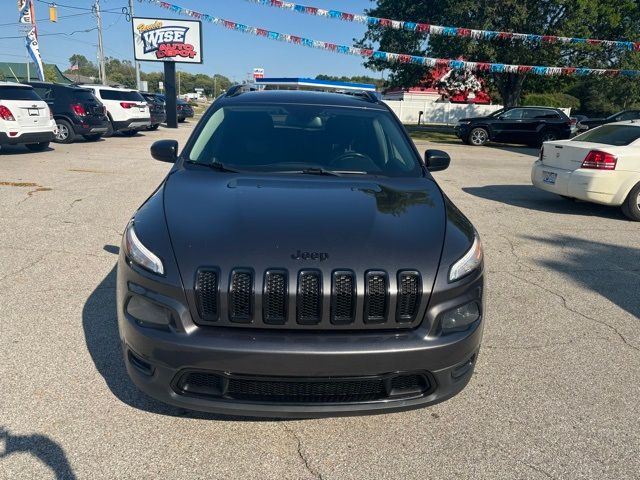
165, 150
436, 160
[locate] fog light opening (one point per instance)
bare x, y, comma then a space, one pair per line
463, 369
144, 367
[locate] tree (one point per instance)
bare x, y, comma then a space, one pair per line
604, 19
378, 82
85, 67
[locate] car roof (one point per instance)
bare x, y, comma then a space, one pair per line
630, 123
60, 85
303, 97
14, 84
107, 87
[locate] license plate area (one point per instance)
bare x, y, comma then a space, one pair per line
33, 112
549, 177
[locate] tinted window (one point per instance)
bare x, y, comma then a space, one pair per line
288, 138
125, 95
83, 95
18, 93
540, 114
618, 135
44, 93
627, 116
514, 114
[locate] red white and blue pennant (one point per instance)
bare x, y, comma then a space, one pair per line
395, 57
429, 29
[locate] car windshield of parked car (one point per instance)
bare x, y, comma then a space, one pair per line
18, 93
615, 135
125, 95
295, 138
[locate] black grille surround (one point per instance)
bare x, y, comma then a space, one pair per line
309, 299
303, 391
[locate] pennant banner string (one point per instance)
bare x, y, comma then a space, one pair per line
394, 57
445, 31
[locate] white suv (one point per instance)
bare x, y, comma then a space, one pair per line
24, 117
127, 110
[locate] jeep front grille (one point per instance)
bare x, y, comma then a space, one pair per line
309, 299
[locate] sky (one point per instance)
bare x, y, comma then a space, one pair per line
226, 52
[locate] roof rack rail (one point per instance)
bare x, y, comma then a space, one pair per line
238, 89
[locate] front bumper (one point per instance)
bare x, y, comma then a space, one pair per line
157, 358
26, 138
597, 186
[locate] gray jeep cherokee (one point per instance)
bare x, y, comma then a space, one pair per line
299, 260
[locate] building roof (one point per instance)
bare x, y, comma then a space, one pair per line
312, 82
13, 71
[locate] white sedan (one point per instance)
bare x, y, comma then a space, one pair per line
600, 166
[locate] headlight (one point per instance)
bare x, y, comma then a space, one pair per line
139, 254
459, 319
468, 263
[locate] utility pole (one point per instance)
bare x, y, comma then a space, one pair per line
102, 70
136, 63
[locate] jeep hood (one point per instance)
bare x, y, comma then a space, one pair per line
261, 222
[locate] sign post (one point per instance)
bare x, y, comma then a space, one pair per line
168, 41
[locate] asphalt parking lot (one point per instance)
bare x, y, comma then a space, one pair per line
555, 393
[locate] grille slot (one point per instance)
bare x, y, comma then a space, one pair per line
376, 297
275, 297
302, 391
343, 298
409, 293
241, 296
309, 301
207, 294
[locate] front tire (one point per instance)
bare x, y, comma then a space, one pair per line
547, 136
154, 127
478, 137
631, 206
65, 132
37, 147
110, 130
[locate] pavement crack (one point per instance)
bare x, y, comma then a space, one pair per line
514, 252
586, 317
22, 269
301, 453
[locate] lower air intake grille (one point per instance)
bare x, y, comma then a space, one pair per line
275, 298
207, 294
241, 296
309, 300
302, 390
409, 291
343, 300
376, 297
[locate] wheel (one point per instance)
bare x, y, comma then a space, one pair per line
548, 136
478, 137
37, 147
129, 133
65, 132
631, 206
154, 127
93, 137
181, 120
109, 132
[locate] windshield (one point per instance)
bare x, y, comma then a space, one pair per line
616, 135
497, 112
290, 138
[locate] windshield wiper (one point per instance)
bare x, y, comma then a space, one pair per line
221, 167
329, 173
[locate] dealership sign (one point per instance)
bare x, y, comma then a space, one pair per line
165, 40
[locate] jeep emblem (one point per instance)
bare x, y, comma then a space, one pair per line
299, 255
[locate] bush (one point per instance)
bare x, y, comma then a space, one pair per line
557, 100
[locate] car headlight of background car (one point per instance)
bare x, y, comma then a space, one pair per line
137, 253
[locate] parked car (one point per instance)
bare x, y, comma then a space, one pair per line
617, 117
156, 109
333, 276
127, 110
599, 166
525, 125
184, 110
76, 111
24, 117
579, 125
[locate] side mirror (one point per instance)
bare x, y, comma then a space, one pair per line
165, 150
436, 160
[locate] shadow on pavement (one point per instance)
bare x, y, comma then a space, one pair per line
100, 325
605, 269
41, 447
532, 198
22, 150
520, 149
